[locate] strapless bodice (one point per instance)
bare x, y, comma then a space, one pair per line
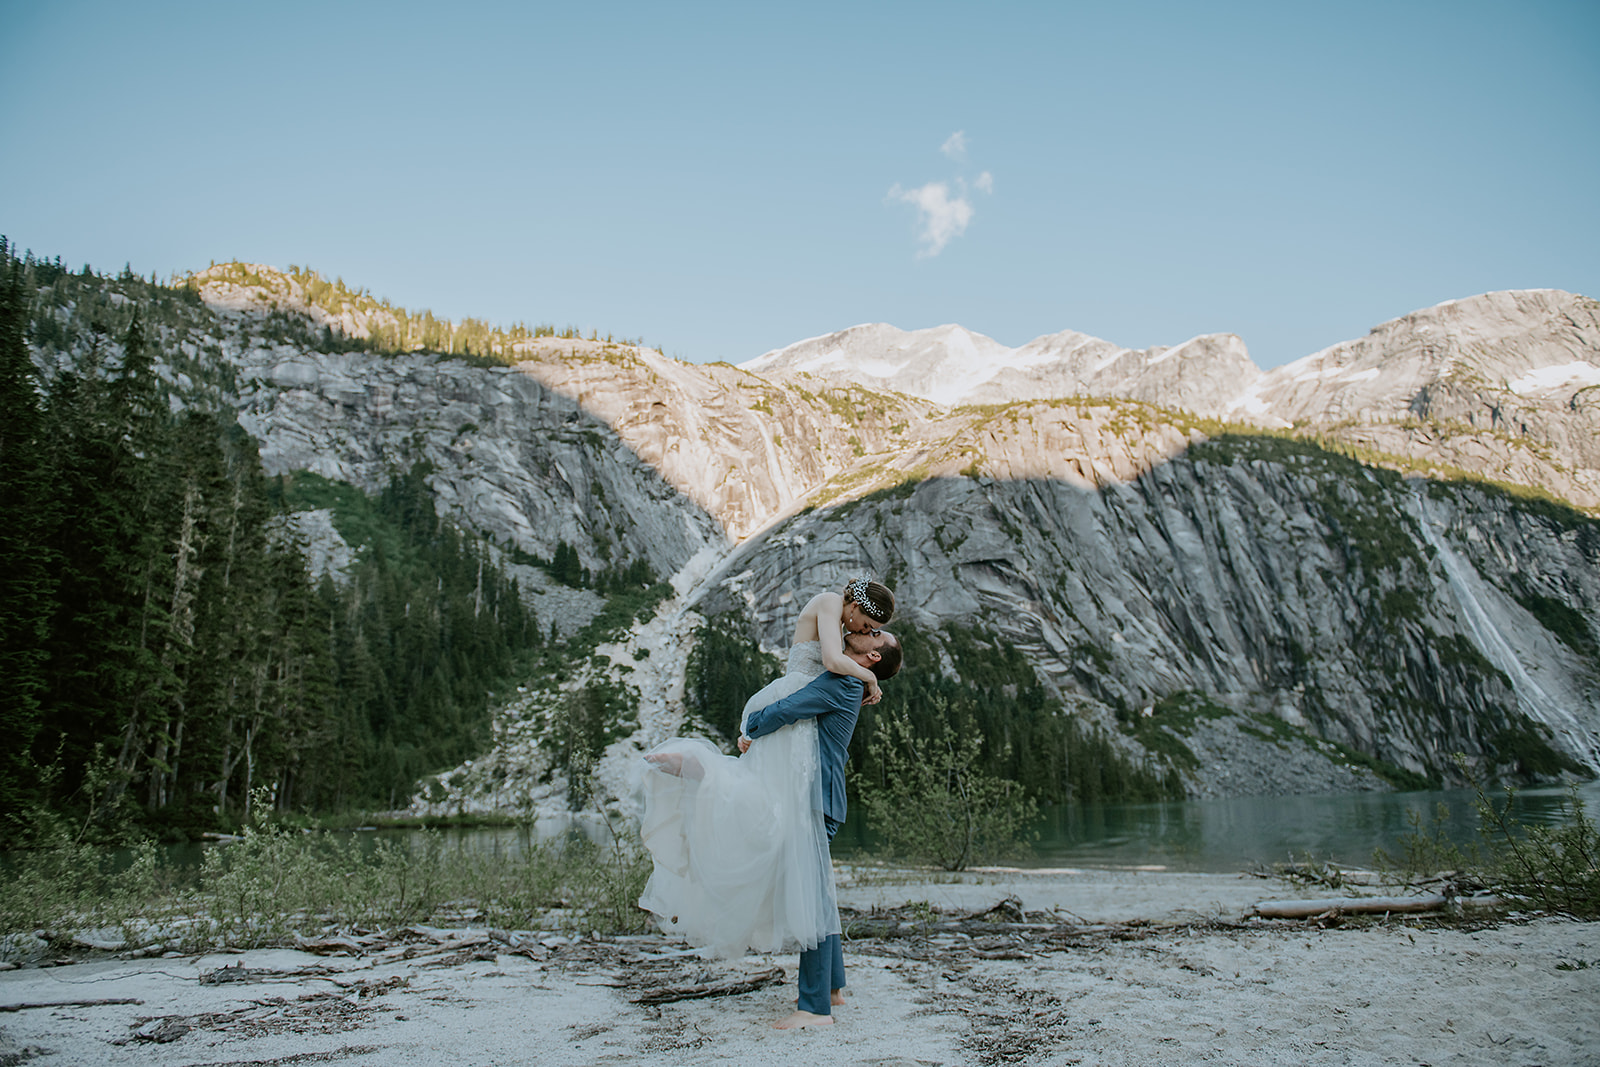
805, 659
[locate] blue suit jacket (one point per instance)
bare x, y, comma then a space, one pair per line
834, 700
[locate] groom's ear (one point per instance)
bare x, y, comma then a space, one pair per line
874, 655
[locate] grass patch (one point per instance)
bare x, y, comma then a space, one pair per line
623, 611
1272, 729
1171, 719
274, 884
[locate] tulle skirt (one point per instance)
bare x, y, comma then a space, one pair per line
741, 856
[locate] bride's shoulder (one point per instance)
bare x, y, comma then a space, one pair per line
822, 606
824, 601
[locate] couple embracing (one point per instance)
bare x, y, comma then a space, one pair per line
740, 844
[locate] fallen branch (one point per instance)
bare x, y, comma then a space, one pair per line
725, 989
864, 928
1008, 910
1305, 909
1000, 954
72, 1003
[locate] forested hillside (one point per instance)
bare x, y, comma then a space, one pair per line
164, 646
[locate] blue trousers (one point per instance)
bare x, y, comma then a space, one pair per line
822, 968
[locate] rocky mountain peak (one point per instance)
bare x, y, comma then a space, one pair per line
943, 363
950, 365
1528, 343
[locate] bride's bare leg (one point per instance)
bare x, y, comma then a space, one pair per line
801, 1019
668, 762
677, 764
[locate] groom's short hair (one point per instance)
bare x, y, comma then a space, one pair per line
888, 664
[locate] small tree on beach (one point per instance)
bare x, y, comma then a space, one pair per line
933, 803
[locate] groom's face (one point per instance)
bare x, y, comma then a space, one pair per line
860, 647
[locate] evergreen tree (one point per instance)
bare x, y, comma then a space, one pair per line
155, 610
26, 588
107, 541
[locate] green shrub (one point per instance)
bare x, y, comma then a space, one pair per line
1555, 868
935, 805
274, 884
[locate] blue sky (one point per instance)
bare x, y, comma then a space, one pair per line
722, 179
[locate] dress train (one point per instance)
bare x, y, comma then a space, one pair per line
741, 856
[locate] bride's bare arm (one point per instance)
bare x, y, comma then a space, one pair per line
826, 611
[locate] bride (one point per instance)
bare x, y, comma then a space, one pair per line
741, 854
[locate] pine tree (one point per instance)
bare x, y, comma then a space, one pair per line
26, 588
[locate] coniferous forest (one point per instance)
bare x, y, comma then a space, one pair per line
992, 694
165, 650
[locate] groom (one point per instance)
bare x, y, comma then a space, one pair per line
834, 700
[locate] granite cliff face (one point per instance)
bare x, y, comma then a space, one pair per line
1133, 551
510, 457
1407, 619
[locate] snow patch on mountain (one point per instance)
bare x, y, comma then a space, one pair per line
950, 365
1566, 375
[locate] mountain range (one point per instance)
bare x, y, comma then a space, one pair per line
1337, 574
1515, 367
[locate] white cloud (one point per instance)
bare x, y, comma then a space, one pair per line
940, 217
944, 209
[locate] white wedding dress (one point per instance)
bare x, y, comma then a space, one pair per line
741, 856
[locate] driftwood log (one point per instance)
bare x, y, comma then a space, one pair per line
707, 989
72, 1003
891, 928
1305, 909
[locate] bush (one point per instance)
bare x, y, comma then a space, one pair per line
1555, 868
934, 805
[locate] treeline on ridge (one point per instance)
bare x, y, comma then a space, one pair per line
391, 328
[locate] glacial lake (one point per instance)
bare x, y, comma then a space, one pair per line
1241, 833
1218, 836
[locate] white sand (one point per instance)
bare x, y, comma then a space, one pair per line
1176, 990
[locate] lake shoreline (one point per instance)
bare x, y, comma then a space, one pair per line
1160, 967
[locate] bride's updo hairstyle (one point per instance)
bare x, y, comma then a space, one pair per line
872, 597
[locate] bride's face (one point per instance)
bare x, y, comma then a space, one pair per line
857, 621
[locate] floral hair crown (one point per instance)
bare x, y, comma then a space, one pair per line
857, 590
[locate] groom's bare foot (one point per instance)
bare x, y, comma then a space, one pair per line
801, 1019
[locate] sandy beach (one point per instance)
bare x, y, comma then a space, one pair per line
1098, 967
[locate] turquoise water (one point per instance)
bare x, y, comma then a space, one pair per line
1242, 832
1183, 835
